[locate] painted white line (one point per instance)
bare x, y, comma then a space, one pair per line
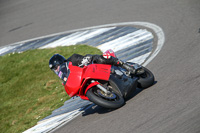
76, 115
75, 38
140, 59
127, 41
53, 122
160, 39
6, 49
56, 122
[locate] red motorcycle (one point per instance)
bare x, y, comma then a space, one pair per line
105, 85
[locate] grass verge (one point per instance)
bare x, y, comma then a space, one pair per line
29, 90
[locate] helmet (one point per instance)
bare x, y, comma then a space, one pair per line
56, 60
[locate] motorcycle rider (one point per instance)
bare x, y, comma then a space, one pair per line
59, 64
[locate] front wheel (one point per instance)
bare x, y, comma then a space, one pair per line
112, 100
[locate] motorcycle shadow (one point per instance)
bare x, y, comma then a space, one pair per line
96, 109
100, 110
137, 91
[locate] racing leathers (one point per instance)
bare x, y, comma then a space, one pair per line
79, 60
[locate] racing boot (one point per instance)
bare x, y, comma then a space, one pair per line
140, 71
129, 68
117, 62
132, 70
120, 63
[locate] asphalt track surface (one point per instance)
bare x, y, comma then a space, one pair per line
172, 105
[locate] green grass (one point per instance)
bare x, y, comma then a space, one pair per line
29, 90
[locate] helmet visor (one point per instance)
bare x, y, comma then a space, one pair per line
56, 69
61, 71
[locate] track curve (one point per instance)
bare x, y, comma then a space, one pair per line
172, 105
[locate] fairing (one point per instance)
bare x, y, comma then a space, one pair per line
78, 77
123, 84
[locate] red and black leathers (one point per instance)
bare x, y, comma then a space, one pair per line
78, 60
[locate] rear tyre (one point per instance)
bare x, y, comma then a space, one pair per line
146, 80
112, 101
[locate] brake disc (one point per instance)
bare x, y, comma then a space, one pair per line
110, 96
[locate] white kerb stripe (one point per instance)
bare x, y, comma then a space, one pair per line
72, 40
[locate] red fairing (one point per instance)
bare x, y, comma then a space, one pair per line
83, 96
97, 71
74, 80
78, 77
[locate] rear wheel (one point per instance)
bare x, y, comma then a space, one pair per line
146, 80
112, 100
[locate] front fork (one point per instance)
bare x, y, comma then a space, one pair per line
101, 87
95, 83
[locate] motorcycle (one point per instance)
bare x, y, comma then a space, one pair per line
106, 85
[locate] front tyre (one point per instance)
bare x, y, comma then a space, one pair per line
112, 100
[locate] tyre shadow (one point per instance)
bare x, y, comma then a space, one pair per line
96, 109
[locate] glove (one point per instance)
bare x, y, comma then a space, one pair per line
86, 60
